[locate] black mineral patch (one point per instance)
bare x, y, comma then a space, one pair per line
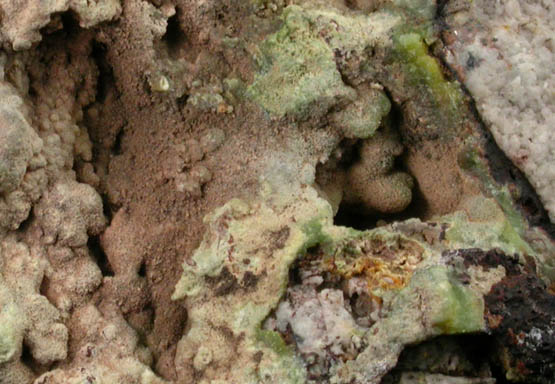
520, 313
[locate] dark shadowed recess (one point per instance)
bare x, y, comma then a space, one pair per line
99, 255
175, 37
105, 79
458, 356
349, 216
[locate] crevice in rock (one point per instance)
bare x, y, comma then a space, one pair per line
142, 270
107, 208
175, 37
28, 360
457, 355
25, 224
61, 22
44, 285
348, 217
116, 148
98, 253
105, 79
182, 101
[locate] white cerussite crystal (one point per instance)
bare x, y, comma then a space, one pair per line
507, 50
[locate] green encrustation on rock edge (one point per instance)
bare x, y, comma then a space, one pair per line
433, 303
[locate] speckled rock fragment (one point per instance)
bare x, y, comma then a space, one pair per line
428, 378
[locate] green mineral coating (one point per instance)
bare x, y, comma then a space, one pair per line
298, 74
286, 369
515, 228
516, 224
433, 303
455, 308
234, 88
464, 311
315, 235
423, 70
5, 173
285, 366
273, 340
8, 343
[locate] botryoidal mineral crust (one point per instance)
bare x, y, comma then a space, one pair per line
180, 186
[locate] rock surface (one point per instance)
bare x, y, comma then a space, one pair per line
276, 191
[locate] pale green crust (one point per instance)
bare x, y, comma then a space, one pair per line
257, 241
424, 71
298, 74
11, 332
430, 301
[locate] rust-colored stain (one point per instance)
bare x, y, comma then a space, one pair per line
385, 264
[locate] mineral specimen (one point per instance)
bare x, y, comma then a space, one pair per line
276, 191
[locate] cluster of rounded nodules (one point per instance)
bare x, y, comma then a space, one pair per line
370, 182
48, 275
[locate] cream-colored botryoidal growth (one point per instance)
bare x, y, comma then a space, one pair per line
32, 154
68, 213
27, 313
105, 349
22, 178
362, 118
48, 271
66, 216
372, 182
